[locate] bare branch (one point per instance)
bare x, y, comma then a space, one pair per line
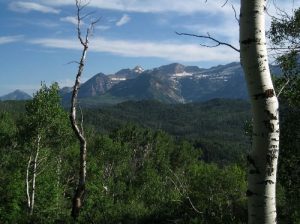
296, 49
271, 16
283, 87
81, 6
182, 190
39, 163
210, 46
86, 15
193, 206
224, 3
42, 170
218, 43
279, 11
235, 14
71, 62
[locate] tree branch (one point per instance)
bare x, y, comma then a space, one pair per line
283, 87
182, 190
224, 3
218, 43
235, 14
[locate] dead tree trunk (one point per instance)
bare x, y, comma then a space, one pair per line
80, 190
78, 130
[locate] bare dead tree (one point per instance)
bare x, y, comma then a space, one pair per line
78, 197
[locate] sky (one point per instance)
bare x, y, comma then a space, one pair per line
38, 39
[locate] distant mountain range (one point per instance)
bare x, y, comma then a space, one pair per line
16, 95
173, 83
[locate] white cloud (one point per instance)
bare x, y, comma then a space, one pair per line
69, 19
153, 6
45, 23
168, 51
10, 39
213, 7
31, 6
102, 27
124, 19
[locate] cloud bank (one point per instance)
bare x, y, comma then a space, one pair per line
152, 6
168, 51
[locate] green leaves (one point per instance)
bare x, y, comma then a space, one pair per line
285, 33
8, 130
135, 175
286, 29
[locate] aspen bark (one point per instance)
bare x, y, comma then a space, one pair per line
262, 160
58, 176
28, 182
31, 192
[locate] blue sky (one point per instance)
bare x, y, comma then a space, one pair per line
38, 37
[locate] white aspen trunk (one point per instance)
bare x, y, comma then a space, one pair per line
34, 174
58, 174
27, 183
262, 161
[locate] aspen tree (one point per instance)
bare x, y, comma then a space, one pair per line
262, 160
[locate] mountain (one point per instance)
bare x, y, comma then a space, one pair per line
100, 83
97, 85
65, 90
173, 83
151, 84
176, 83
16, 95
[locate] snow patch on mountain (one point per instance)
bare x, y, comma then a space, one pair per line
182, 74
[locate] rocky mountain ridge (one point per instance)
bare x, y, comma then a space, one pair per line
172, 83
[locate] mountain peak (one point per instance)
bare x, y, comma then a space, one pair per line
138, 69
173, 68
16, 95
